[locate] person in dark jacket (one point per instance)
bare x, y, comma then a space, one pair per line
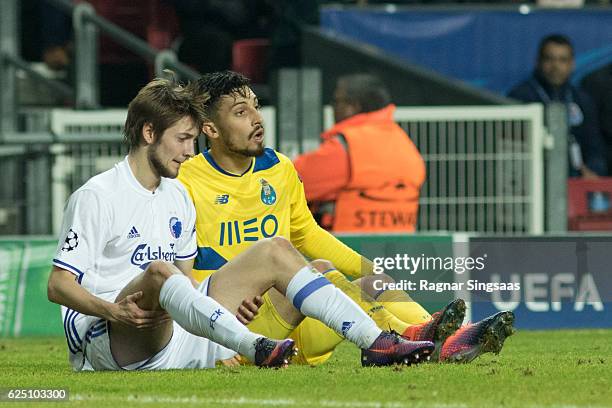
598, 85
550, 83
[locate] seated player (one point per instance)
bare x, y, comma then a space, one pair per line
123, 272
244, 192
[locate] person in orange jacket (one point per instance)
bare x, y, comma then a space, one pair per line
367, 174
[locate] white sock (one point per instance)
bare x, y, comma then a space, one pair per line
205, 317
315, 296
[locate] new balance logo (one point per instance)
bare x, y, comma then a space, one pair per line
222, 199
346, 326
133, 233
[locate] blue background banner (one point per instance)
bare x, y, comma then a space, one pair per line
565, 281
493, 49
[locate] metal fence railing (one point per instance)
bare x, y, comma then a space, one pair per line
87, 25
484, 167
73, 165
61, 149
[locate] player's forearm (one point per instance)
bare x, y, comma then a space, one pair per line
64, 290
367, 267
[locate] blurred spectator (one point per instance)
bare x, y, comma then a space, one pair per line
46, 34
56, 37
550, 83
46, 43
599, 86
121, 72
367, 174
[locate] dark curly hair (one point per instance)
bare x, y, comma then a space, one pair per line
218, 84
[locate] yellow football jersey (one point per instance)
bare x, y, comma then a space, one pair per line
267, 200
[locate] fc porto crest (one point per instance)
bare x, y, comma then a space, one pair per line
268, 195
176, 227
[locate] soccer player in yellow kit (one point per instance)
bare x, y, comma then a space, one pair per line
244, 192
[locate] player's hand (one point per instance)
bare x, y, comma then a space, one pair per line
129, 313
248, 309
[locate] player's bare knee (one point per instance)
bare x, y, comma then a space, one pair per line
263, 248
322, 265
268, 255
159, 271
275, 249
279, 257
285, 256
281, 243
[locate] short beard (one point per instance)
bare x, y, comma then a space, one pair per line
258, 151
157, 165
247, 152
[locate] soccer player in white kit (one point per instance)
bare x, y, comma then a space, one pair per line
122, 270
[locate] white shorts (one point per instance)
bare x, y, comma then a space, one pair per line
184, 350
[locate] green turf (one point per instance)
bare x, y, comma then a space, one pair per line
535, 369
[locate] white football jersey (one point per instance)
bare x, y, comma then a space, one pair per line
112, 229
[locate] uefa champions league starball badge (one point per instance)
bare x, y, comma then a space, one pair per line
71, 241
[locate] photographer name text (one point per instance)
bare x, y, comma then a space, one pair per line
425, 285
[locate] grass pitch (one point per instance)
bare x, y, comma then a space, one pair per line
535, 369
